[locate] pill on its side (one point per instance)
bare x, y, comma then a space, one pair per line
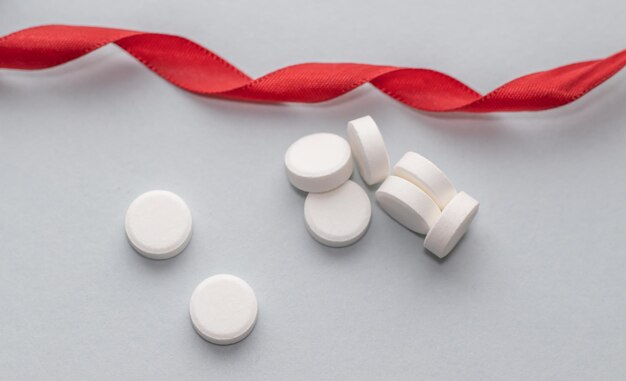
223, 309
455, 219
407, 204
426, 175
368, 149
158, 224
338, 217
319, 162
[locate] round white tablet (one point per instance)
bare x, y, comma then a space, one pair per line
407, 204
158, 224
338, 217
426, 175
452, 225
368, 149
223, 309
319, 162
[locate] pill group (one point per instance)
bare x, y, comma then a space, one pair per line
415, 192
337, 211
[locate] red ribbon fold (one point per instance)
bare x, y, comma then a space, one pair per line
196, 69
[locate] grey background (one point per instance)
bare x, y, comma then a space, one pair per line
535, 291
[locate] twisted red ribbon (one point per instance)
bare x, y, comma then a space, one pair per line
196, 69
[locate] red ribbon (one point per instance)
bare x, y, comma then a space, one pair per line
196, 69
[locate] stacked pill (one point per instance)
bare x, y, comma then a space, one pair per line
421, 197
417, 194
337, 211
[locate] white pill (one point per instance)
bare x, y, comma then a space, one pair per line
407, 204
426, 175
368, 149
319, 162
223, 309
158, 224
338, 217
452, 225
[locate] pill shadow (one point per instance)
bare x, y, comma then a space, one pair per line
224, 353
300, 192
342, 253
159, 266
457, 247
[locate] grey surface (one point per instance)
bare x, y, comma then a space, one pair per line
535, 291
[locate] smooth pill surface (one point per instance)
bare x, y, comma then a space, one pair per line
368, 149
426, 175
223, 309
158, 224
407, 204
319, 162
452, 225
338, 217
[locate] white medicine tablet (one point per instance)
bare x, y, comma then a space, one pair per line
426, 175
223, 309
407, 204
158, 224
368, 148
338, 217
452, 225
319, 162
